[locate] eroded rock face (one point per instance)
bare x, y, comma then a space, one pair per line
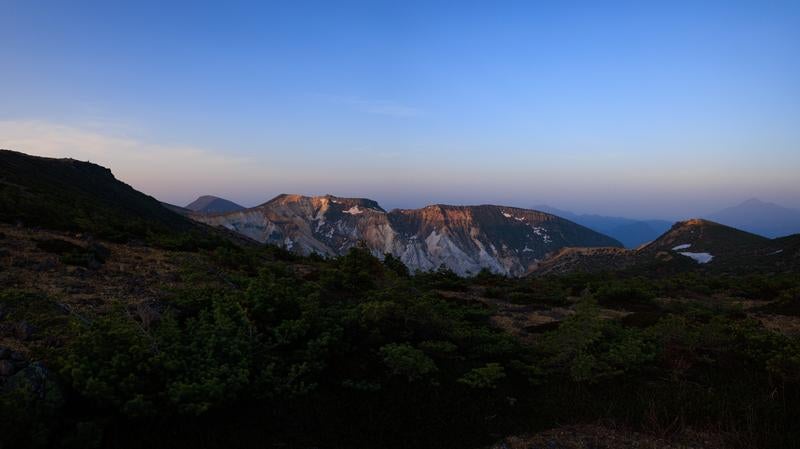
465, 239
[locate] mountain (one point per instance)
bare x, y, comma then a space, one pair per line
465, 239
755, 216
71, 195
689, 244
707, 236
632, 233
76, 195
759, 217
208, 204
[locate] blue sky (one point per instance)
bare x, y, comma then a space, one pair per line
658, 110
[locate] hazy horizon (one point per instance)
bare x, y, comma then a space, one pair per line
645, 111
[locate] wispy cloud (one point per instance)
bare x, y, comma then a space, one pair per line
375, 107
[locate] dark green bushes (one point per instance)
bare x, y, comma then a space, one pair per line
730, 375
361, 332
628, 294
353, 352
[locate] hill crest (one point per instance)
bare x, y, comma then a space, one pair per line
210, 204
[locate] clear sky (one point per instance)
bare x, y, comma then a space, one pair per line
644, 109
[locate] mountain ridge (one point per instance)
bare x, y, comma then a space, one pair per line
77, 196
52, 191
688, 244
466, 239
752, 215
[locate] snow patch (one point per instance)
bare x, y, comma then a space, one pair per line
775, 252
506, 214
353, 211
698, 257
542, 232
683, 246
527, 250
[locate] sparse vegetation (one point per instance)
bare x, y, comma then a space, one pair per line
353, 352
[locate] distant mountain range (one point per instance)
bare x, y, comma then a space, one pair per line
465, 239
632, 233
759, 217
755, 216
508, 240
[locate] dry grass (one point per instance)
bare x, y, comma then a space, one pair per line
133, 274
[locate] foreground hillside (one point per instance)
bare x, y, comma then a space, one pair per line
116, 339
237, 347
465, 239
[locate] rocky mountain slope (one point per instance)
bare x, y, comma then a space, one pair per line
209, 204
688, 244
465, 239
